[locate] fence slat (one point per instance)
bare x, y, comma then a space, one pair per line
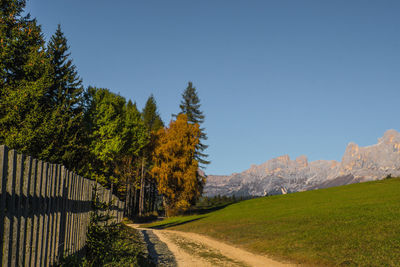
60, 214
80, 223
3, 187
34, 213
8, 218
74, 215
3, 183
68, 231
17, 211
63, 213
40, 187
44, 233
53, 212
26, 221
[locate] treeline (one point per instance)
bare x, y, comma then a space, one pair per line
47, 113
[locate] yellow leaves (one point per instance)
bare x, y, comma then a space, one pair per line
175, 166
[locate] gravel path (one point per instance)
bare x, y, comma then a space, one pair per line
175, 248
157, 249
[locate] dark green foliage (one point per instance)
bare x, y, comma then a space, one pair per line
151, 117
24, 81
190, 105
65, 100
67, 86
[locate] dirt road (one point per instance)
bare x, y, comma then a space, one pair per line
190, 249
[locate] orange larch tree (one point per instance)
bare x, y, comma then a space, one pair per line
175, 167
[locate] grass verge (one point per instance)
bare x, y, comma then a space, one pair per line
355, 225
127, 249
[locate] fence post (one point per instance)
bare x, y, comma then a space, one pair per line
10, 206
63, 214
73, 214
46, 183
52, 215
67, 246
40, 190
34, 213
3, 196
26, 225
16, 211
57, 231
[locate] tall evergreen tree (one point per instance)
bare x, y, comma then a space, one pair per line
24, 81
190, 105
64, 98
151, 117
67, 86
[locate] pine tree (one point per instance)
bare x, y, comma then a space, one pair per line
190, 105
64, 99
67, 86
24, 81
151, 117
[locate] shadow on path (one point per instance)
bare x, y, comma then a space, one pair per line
158, 250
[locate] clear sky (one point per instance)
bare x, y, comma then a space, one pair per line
274, 77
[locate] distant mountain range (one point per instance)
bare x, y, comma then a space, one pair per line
282, 175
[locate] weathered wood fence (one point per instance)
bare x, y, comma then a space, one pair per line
44, 210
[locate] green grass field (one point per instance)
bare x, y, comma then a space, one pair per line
352, 225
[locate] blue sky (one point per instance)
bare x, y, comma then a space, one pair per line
274, 77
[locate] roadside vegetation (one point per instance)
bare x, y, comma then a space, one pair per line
126, 249
354, 225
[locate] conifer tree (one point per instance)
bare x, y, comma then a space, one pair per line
24, 81
64, 98
67, 86
151, 117
190, 105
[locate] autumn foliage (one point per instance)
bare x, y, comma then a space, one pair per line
175, 165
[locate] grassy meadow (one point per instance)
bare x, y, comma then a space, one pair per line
350, 225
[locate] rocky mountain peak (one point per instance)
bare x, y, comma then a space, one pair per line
390, 137
284, 158
302, 161
351, 151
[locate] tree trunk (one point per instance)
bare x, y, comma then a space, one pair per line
142, 191
134, 201
153, 197
127, 199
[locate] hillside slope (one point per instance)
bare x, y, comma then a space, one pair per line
282, 175
356, 224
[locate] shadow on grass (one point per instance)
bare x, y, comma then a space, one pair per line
200, 211
171, 224
196, 211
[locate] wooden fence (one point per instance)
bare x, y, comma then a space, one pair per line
44, 210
